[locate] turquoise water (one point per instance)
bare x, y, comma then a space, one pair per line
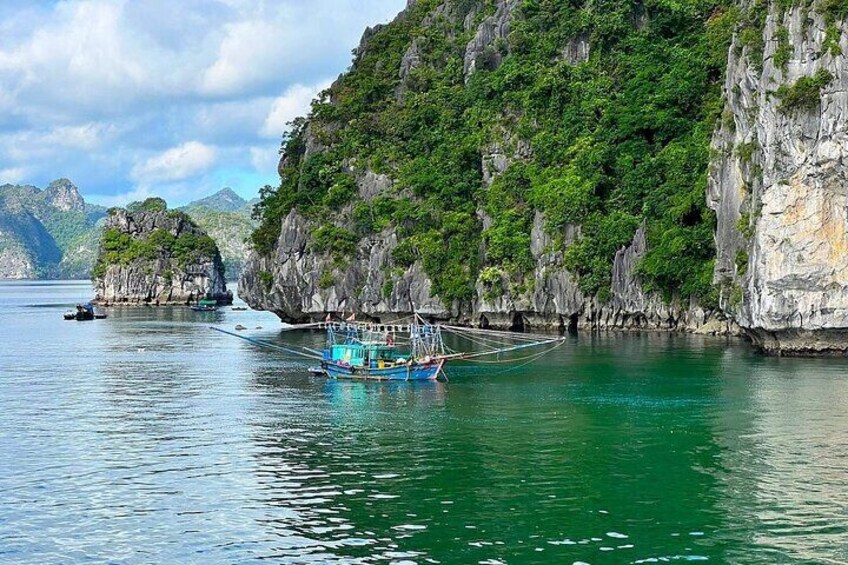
148, 438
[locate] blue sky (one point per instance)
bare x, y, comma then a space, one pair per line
135, 98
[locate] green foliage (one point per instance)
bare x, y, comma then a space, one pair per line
508, 242
65, 227
805, 94
326, 280
149, 205
591, 257
266, 279
334, 240
191, 248
745, 151
783, 53
742, 262
405, 254
832, 35
745, 226
784, 5
492, 280
737, 294
618, 141
388, 288
834, 10
752, 25
720, 28
566, 199
120, 248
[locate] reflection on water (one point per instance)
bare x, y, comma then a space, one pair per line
148, 438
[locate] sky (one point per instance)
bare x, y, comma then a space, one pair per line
173, 98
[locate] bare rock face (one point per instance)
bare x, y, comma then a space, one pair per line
780, 189
63, 195
486, 48
577, 50
165, 274
300, 285
16, 264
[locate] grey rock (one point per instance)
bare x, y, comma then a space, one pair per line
374, 286
15, 263
63, 195
577, 50
411, 59
372, 184
485, 49
791, 295
160, 280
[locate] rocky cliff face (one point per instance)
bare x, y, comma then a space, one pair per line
157, 257
43, 233
300, 282
226, 217
27, 250
780, 184
300, 285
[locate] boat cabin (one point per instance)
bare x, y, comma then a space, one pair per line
375, 356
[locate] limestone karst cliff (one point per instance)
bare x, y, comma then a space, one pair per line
45, 233
509, 163
155, 256
779, 183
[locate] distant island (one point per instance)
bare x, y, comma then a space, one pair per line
53, 233
151, 255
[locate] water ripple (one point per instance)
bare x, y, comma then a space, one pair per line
147, 438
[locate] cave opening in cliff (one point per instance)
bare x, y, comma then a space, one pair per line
517, 322
572, 324
484, 322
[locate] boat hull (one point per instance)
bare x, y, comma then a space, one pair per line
414, 372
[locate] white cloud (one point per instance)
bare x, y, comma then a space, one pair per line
265, 160
243, 56
13, 175
177, 163
122, 95
87, 136
293, 103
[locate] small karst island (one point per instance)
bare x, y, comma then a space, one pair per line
152, 255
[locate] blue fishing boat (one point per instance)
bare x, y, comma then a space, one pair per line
413, 351
374, 352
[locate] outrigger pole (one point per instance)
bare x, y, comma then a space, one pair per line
311, 355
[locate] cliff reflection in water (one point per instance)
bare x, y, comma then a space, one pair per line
786, 459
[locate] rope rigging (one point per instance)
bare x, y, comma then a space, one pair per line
425, 340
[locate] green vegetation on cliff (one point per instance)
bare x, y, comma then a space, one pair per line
609, 143
117, 247
47, 229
